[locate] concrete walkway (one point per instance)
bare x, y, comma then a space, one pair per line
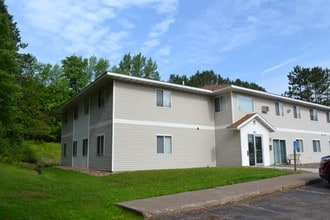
218, 196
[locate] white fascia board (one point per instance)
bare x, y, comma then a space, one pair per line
271, 96
158, 83
260, 119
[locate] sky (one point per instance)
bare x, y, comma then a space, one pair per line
254, 40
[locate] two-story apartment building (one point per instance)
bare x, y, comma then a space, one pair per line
123, 123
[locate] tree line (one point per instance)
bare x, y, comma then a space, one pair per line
31, 91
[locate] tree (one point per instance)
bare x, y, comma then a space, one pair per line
96, 67
10, 90
75, 72
208, 77
309, 84
137, 66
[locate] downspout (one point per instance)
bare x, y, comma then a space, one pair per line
113, 125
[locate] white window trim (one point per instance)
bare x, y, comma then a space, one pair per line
298, 112
225, 104
165, 135
252, 100
280, 109
301, 150
319, 145
87, 150
164, 90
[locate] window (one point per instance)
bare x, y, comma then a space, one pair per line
328, 117
245, 103
76, 112
164, 144
296, 112
163, 98
220, 104
85, 147
86, 107
300, 145
313, 114
101, 98
74, 149
100, 145
65, 150
279, 108
316, 146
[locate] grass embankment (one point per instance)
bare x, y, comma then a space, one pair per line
45, 152
63, 194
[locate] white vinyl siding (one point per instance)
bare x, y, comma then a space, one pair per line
313, 114
245, 103
101, 98
316, 146
220, 104
65, 150
296, 112
163, 98
279, 108
164, 144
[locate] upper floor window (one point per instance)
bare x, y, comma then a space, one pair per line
86, 107
220, 104
245, 103
313, 114
316, 146
163, 98
296, 112
279, 108
76, 112
300, 147
100, 145
101, 98
164, 144
328, 117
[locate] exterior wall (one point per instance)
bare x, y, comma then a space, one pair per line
138, 121
228, 148
80, 132
101, 124
289, 128
88, 126
67, 138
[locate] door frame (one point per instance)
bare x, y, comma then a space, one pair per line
255, 153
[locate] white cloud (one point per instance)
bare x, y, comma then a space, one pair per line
275, 67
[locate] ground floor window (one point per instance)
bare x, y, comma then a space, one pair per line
164, 144
100, 145
300, 147
85, 147
279, 147
74, 149
316, 146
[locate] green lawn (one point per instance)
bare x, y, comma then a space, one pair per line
62, 194
46, 152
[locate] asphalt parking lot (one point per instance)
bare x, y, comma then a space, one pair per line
308, 202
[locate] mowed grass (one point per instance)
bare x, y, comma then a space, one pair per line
63, 194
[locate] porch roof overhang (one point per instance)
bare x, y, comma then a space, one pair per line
247, 119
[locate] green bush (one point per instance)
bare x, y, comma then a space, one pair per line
16, 151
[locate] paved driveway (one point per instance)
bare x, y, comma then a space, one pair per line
308, 202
